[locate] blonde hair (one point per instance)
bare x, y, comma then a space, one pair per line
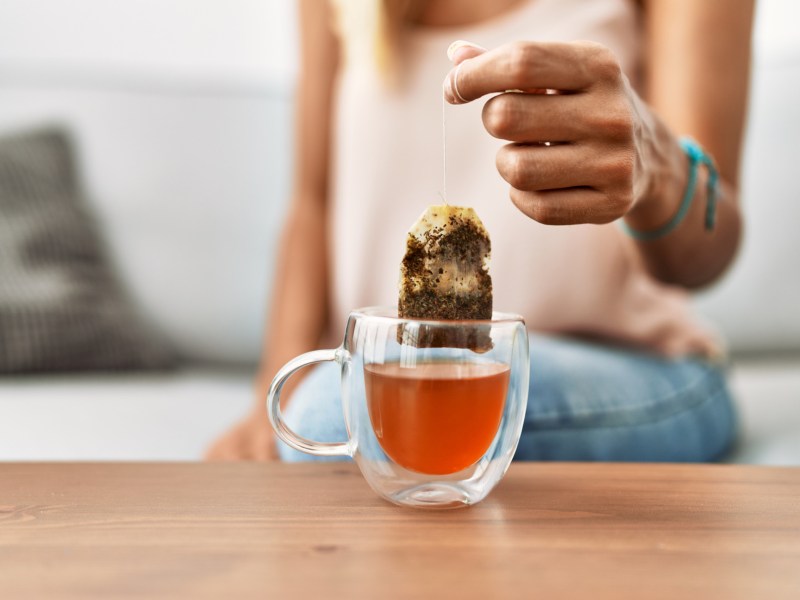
371, 30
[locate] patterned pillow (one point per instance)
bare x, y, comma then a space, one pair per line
61, 308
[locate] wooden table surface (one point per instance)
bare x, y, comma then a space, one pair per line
303, 531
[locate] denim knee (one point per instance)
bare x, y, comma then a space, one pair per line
315, 412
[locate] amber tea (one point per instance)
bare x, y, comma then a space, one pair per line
436, 418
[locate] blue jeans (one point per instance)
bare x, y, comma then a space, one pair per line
587, 402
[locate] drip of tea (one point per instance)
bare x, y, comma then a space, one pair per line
436, 418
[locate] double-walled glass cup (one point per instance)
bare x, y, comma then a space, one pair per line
433, 409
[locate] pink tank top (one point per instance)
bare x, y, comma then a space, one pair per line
387, 167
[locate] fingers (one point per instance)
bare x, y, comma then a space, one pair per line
585, 174
571, 205
535, 168
461, 50
249, 440
265, 447
567, 66
568, 183
457, 53
537, 117
223, 450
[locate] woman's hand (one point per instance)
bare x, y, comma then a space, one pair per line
580, 135
250, 439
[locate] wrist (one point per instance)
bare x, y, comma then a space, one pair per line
666, 180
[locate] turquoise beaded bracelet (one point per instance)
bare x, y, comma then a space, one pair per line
697, 156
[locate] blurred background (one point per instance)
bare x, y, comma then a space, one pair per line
163, 129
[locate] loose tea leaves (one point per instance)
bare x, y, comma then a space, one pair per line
445, 272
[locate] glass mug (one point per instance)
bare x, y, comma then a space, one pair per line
433, 409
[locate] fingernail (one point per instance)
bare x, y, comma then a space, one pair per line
458, 44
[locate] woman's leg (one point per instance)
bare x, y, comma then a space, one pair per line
593, 402
586, 402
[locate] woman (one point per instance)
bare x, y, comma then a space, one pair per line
621, 370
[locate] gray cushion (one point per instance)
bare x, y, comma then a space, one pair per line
61, 308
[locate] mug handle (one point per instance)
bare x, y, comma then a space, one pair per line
298, 442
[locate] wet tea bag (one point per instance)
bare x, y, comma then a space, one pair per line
445, 271
445, 275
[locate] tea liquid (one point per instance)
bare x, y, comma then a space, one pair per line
439, 417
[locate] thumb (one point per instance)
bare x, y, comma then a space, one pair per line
461, 50
458, 52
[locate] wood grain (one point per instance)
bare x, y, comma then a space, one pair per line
300, 531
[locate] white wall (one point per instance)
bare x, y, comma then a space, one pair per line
775, 33
242, 40
757, 304
249, 42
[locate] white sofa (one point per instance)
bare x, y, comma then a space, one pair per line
181, 111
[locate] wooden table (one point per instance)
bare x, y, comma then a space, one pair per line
305, 531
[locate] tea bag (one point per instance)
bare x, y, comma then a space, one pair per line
445, 275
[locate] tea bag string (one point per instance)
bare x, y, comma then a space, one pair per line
444, 150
